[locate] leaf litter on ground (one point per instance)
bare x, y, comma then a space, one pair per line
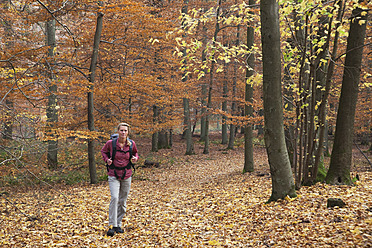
195, 201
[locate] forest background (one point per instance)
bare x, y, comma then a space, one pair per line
72, 70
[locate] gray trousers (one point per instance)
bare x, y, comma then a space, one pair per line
118, 205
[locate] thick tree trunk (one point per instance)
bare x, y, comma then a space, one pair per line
163, 140
52, 113
92, 70
341, 158
280, 167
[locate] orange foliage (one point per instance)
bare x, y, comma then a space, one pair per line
137, 66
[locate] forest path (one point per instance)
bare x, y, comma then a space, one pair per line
192, 201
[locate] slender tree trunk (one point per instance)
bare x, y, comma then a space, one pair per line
213, 63
305, 89
233, 103
92, 70
225, 91
300, 130
341, 158
203, 112
323, 132
187, 123
280, 167
8, 123
155, 135
204, 87
248, 108
224, 104
186, 104
52, 113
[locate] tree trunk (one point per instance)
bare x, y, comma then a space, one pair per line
323, 132
92, 70
213, 63
204, 86
280, 167
8, 123
52, 113
163, 140
225, 91
154, 141
233, 128
170, 138
341, 158
203, 112
248, 108
186, 105
224, 104
187, 123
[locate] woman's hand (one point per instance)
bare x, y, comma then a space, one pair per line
134, 159
109, 161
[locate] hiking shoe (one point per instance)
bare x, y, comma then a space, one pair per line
118, 229
111, 232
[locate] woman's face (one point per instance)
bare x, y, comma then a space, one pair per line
123, 132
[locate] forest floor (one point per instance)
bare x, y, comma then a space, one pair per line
192, 201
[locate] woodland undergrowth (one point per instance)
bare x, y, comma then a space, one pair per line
191, 201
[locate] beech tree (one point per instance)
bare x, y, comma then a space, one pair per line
92, 70
341, 158
313, 33
52, 113
248, 108
8, 106
137, 71
186, 102
280, 167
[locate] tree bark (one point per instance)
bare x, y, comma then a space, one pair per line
92, 70
341, 158
323, 132
163, 140
248, 108
8, 123
187, 123
186, 104
52, 113
280, 167
211, 74
225, 92
204, 86
155, 135
233, 128
203, 112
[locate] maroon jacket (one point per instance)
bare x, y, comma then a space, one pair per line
121, 159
